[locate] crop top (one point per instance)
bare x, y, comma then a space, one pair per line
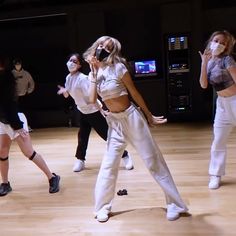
217, 73
77, 86
109, 81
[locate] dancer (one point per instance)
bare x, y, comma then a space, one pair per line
218, 68
90, 114
13, 126
110, 78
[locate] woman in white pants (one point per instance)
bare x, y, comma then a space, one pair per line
111, 80
219, 69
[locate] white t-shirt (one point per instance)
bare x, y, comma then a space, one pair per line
77, 86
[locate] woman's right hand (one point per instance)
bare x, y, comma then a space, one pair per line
205, 56
63, 91
94, 64
22, 132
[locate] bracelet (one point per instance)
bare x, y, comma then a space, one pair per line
93, 81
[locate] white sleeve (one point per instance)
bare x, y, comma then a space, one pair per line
120, 70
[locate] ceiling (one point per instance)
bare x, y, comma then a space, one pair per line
17, 4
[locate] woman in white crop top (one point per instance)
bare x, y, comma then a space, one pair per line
218, 68
110, 79
90, 116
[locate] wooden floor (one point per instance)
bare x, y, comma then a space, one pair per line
30, 210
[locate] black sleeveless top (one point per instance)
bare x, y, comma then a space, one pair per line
8, 100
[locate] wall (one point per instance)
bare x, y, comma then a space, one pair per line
141, 28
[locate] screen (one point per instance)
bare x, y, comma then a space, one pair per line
145, 68
176, 43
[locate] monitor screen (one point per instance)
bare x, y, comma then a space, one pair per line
143, 68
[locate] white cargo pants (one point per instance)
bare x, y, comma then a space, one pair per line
225, 120
131, 126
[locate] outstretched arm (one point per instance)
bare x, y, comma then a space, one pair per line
152, 120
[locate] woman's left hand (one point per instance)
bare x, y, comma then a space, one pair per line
206, 55
61, 90
157, 120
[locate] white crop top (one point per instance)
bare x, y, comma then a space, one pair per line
77, 86
109, 81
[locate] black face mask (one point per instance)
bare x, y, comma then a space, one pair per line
101, 54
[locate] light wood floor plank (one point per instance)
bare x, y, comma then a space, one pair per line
30, 210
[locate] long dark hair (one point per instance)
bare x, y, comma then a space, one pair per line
84, 66
7, 80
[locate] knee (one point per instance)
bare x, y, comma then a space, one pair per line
32, 156
151, 163
3, 159
110, 168
156, 165
4, 152
218, 144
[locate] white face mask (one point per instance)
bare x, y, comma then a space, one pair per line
72, 67
216, 48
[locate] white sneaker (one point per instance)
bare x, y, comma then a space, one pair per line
128, 162
214, 182
102, 217
78, 166
173, 211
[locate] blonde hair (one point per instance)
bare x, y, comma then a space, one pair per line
229, 39
115, 55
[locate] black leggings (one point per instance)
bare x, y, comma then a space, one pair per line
86, 122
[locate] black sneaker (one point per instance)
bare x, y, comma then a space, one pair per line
30, 129
5, 188
54, 184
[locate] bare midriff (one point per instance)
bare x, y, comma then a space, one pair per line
118, 104
228, 92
